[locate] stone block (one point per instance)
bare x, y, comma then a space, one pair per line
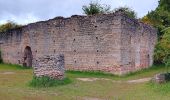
51, 66
159, 78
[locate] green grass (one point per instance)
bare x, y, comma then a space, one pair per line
12, 66
148, 72
15, 86
48, 82
160, 88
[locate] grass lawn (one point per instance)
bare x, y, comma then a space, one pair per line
14, 86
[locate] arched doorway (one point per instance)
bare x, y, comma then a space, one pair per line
27, 57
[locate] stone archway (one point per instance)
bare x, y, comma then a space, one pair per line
27, 58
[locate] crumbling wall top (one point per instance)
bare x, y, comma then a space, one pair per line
59, 20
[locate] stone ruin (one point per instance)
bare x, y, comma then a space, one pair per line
111, 43
161, 78
51, 66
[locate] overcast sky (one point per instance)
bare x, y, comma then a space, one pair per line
28, 11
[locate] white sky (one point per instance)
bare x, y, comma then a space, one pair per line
28, 11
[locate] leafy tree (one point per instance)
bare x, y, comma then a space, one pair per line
160, 18
8, 25
166, 46
146, 20
159, 53
162, 13
95, 8
162, 50
1, 61
128, 11
164, 5
166, 61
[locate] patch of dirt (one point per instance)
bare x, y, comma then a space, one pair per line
129, 81
140, 80
88, 79
7, 73
95, 79
89, 98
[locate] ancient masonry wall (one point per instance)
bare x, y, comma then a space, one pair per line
137, 45
111, 43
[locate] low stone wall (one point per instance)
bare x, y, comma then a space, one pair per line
51, 66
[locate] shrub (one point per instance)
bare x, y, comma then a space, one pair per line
167, 77
1, 61
128, 11
48, 82
95, 8
9, 25
162, 49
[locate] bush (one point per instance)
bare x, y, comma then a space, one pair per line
9, 25
162, 49
167, 77
128, 11
48, 82
95, 8
1, 61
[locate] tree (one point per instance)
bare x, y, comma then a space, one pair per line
146, 20
166, 46
164, 5
1, 61
159, 53
162, 13
160, 19
95, 8
128, 11
162, 49
8, 25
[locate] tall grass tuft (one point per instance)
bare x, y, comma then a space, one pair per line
47, 82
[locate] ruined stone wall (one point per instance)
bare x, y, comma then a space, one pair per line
88, 42
95, 44
99, 42
10, 47
137, 45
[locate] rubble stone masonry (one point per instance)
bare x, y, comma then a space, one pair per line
110, 43
51, 66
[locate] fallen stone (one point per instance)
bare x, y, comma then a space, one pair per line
161, 78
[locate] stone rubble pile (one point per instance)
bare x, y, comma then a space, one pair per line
51, 66
159, 78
